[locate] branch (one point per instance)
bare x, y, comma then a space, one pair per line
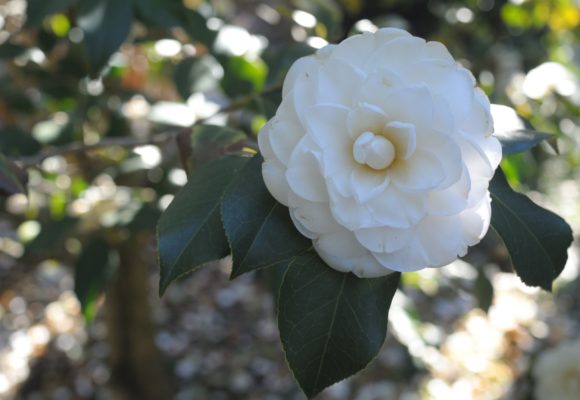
130, 142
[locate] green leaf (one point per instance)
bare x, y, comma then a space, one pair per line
13, 179
93, 271
195, 25
331, 324
106, 24
259, 229
483, 290
197, 74
536, 239
243, 76
190, 231
163, 13
520, 140
37, 10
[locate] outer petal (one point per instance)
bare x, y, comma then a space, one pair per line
274, 174
383, 239
303, 174
343, 252
315, 217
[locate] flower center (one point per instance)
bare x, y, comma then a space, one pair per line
373, 150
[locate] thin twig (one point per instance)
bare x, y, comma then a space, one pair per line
129, 142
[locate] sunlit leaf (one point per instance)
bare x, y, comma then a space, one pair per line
537, 239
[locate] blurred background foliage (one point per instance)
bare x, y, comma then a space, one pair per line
106, 106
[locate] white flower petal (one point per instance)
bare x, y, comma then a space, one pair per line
453, 82
422, 172
366, 183
383, 239
342, 251
274, 174
451, 200
315, 217
403, 136
326, 124
365, 117
395, 209
303, 174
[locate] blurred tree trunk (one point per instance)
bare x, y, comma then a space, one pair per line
137, 366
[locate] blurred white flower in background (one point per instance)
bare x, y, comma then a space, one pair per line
557, 372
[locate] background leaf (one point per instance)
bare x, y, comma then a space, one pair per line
520, 140
197, 74
37, 10
190, 231
15, 142
106, 24
258, 228
537, 239
13, 179
93, 271
331, 324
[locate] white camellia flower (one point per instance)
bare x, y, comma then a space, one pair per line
382, 150
557, 372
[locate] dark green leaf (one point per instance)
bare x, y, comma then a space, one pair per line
162, 13
190, 231
259, 229
93, 271
37, 10
197, 75
513, 142
195, 25
483, 291
331, 324
537, 239
12, 178
106, 24
15, 142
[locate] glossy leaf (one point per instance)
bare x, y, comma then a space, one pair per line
106, 24
12, 178
331, 324
37, 10
536, 239
190, 231
259, 229
93, 271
